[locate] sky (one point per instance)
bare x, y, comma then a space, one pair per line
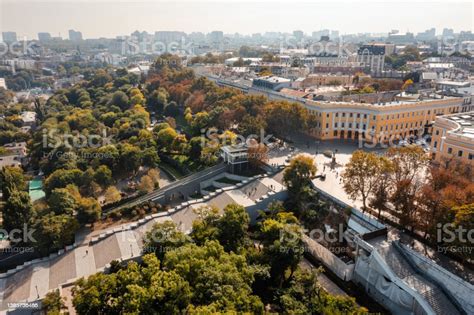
107, 18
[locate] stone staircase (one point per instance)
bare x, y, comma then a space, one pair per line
437, 299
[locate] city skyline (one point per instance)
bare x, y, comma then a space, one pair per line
124, 18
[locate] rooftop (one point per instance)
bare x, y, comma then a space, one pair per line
465, 121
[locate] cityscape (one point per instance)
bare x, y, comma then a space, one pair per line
236, 157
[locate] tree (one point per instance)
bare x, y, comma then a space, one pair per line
17, 210
53, 232
89, 210
299, 173
219, 280
130, 158
205, 226
282, 245
12, 178
166, 137
103, 176
195, 147
361, 175
233, 226
305, 296
381, 193
136, 289
154, 174
61, 178
146, 184
408, 163
120, 99
171, 109
53, 303
112, 195
62, 202
257, 154
162, 238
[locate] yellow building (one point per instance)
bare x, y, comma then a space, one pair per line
405, 115
381, 122
453, 137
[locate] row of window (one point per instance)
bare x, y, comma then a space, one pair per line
460, 152
388, 117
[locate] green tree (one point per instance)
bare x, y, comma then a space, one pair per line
53, 303
219, 279
62, 202
298, 174
12, 178
89, 210
103, 176
282, 245
120, 99
165, 137
136, 289
17, 210
233, 226
53, 232
205, 226
162, 238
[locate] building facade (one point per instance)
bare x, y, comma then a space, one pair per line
453, 138
381, 122
372, 57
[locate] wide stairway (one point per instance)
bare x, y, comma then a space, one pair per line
437, 299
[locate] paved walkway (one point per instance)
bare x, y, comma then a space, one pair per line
33, 280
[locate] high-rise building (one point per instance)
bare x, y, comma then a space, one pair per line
216, 36
43, 36
75, 35
448, 32
169, 36
427, 35
9, 37
298, 35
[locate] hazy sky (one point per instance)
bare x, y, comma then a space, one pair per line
105, 18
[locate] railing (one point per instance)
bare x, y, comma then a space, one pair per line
403, 251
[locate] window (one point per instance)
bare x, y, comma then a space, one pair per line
358, 115
365, 116
350, 115
470, 156
435, 144
460, 153
450, 150
335, 125
343, 114
337, 114
437, 132
342, 125
335, 133
350, 125
327, 115
327, 125
357, 126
